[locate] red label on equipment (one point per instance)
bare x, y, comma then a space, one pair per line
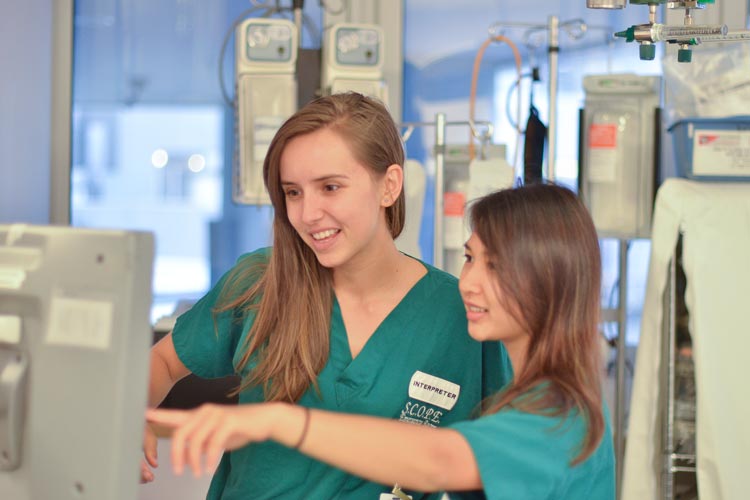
707, 139
453, 203
602, 136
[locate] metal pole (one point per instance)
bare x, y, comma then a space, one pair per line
60, 116
621, 356
437, 253
553, 50
668, 383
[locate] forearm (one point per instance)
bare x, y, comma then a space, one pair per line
381, 450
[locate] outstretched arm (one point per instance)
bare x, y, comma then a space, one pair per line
381, 450
166, 370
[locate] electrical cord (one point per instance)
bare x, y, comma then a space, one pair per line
237, 20
473, 92
517, 84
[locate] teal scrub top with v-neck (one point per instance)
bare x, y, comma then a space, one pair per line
419, 366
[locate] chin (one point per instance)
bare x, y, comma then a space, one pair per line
476, 333
329, 260
326, 261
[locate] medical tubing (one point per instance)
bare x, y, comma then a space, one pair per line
237, 20
333, 12
508, 98
473, 92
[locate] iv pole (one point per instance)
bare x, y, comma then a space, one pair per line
553, 49
575, 28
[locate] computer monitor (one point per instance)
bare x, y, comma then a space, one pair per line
74, 341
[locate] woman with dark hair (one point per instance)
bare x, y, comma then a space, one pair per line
531, 280
333, 316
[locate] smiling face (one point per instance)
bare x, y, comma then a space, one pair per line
486, 312
336, 205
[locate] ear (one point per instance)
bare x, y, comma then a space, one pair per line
393, 183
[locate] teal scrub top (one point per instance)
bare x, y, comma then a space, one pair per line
522, 456
419, 366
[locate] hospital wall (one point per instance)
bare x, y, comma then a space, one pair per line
25, 109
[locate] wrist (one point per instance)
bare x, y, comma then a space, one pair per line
289, 424
305, 427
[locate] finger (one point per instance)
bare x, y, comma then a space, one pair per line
183, 433
169, 418
216, 446
207, 427
146, 475
150, 447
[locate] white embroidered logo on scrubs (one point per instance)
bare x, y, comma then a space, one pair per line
433, 390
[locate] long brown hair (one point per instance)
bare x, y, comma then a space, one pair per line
292, 296
544, 248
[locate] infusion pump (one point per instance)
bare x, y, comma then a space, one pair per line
266, 58
353, 60
266, 64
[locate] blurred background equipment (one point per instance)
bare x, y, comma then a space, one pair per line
74, 350
353, 60
685, 36
619, 152
265, 69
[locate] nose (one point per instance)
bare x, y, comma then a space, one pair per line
312, 208
468, 282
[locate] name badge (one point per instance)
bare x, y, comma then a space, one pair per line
433, 390
391, 496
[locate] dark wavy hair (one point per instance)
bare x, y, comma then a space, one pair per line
545, 252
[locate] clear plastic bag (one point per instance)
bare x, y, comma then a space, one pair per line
715, 84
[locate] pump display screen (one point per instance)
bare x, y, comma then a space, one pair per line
358, 46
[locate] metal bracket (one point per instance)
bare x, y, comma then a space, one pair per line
14, 367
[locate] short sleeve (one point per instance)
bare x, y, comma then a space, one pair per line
520, 455
206, 342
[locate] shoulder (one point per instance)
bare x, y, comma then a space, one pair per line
250, 265
558, 435
441, 298
259, 256
439, 275
245, 272
441, 282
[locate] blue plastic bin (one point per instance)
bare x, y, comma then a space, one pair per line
712, 149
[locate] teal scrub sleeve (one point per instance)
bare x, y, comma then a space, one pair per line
524, 456
205, 342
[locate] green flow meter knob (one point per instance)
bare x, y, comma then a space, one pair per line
628, 34
684, 55
647, 52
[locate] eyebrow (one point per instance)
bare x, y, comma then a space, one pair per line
322, 178
466, 246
